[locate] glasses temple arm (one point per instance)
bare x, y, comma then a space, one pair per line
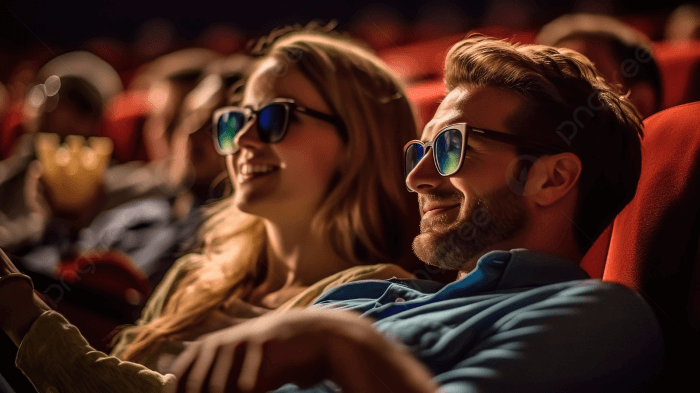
518, 140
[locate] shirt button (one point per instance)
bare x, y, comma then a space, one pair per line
399, 300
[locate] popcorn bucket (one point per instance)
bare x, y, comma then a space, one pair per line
73, 171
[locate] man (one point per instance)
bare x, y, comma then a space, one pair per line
529, 152
552, 154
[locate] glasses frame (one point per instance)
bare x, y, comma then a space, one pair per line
465, 129
251, 114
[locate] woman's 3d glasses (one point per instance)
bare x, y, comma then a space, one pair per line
272, 122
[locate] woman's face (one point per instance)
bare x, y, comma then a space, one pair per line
300, 166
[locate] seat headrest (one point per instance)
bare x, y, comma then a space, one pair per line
654, 241
657, 229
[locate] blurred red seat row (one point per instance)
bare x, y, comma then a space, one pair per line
421, 66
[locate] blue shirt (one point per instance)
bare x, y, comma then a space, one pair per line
520, 321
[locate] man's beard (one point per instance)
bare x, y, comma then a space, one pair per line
492, 218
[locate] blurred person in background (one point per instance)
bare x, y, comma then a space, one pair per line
21, 77
133, 208
683, 24
156, 214
167, 80
318, 201
622, 54
222, 84
67, 99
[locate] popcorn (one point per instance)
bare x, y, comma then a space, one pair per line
73, 171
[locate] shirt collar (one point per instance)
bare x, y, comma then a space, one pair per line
505, 270
519, 268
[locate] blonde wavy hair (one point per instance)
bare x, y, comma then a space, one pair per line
367, 215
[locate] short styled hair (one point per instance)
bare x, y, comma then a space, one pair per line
570, 106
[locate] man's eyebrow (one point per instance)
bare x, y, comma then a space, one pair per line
442, 125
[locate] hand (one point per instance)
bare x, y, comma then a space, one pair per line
231, 359
39, 199
35, 191
301, 347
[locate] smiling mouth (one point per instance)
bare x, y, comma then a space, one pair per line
436, 212
249, 172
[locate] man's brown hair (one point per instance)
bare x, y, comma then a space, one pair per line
571, 106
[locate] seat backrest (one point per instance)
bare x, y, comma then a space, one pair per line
110, 272
676, 61
425, 60
426, 97
654, 241
652, 246
123, 122
98, 280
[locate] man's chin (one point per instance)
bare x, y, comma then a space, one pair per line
424, 246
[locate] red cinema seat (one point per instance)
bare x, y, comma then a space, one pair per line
105, 280
426, 97
426, 60
652, 246
124, 119
420, 61
11, 128
676, 60
111, 272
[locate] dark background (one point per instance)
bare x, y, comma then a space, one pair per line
30, 27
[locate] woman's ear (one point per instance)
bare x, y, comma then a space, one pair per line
556, 177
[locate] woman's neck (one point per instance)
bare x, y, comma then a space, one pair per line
297, 257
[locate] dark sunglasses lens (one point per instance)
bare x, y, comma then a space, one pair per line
448, 151
272, 123
414, 153
227, 127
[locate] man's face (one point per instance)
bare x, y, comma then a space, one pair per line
473, 211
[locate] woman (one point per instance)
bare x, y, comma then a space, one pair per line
314, 156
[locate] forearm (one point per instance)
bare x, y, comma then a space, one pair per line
54, 354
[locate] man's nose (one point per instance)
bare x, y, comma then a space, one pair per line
424, 176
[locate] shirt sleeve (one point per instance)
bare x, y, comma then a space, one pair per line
591, 337
56, 358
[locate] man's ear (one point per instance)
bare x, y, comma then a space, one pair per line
553, 177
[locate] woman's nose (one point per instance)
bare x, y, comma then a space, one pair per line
248, 136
